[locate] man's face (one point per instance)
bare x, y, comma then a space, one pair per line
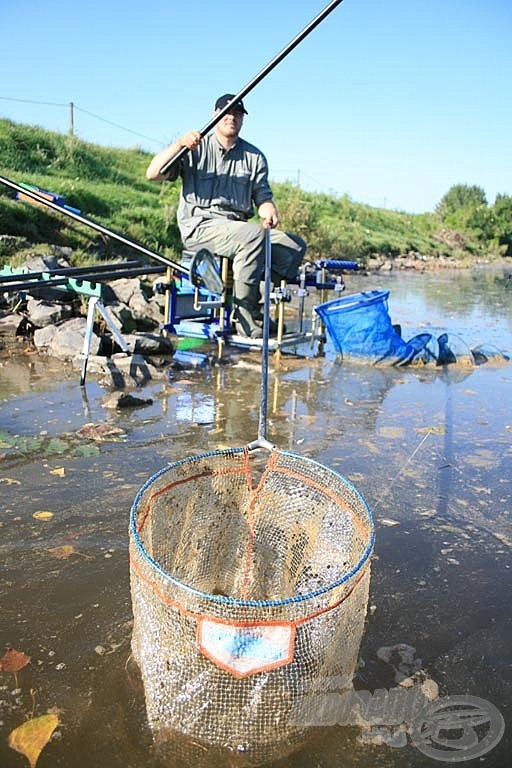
231, 123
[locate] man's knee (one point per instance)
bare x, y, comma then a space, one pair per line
301, 245
287, 255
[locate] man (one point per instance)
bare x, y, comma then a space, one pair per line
223, 178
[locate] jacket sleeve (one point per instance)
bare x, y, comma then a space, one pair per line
261, 190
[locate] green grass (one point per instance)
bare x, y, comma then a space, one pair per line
109, 186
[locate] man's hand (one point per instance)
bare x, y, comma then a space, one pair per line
268, 214
190, 140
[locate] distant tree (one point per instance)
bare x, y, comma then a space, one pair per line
465, 208
502, 221
461, 197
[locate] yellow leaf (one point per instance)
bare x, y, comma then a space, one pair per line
60, 471
30, 738
439, 430
43, 514
62, 552
10, 481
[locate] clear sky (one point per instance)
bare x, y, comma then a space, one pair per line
389, 102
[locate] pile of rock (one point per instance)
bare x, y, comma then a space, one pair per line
55, 322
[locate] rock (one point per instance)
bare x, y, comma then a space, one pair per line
149, 344
43, 337
122, 316
133, 366
9, 325
39, 262
143, 311
42, 313
125, 288
97, 365
430, 689
124, 400
131, 293
66, 341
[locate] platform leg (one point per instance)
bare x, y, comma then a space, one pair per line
91, 310
116, 333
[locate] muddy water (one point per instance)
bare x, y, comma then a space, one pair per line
430, 450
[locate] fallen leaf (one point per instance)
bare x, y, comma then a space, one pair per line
43, 514
62, 552
100, 432
389, 522
9, 481
308, 418
13, 660
430, 430
369, 445
59, 471
31, 738
393, 433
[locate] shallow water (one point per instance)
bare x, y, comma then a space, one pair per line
429, 449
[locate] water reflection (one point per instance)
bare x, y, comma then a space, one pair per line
430, 450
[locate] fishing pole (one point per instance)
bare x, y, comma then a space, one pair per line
255, 80
200, 271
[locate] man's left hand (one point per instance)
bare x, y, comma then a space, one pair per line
268, 214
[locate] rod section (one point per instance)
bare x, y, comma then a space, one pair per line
256, 79
94, 225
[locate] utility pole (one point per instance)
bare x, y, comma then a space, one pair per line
71, 119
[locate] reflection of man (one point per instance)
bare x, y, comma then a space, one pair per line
223, 178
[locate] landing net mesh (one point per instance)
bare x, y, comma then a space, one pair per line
249, 579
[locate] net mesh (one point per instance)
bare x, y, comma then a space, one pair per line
249, 578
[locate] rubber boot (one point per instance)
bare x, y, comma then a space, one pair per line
245, 308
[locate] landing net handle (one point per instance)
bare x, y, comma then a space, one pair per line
262, 424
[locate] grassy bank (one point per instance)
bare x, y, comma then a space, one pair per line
108, 185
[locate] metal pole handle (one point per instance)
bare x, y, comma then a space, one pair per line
262, 427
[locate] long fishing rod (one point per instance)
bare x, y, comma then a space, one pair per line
94, 225
207, 276
257, 79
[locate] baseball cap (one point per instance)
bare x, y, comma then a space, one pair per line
226, 99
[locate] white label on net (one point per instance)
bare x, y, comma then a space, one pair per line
246, 649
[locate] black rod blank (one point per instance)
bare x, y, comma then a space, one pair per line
256, 79
94, 225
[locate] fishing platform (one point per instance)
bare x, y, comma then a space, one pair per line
198, 289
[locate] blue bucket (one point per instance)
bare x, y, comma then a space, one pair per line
361, 330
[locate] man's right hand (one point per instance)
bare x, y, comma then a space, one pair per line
190, 140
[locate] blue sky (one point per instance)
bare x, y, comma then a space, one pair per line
390, 102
